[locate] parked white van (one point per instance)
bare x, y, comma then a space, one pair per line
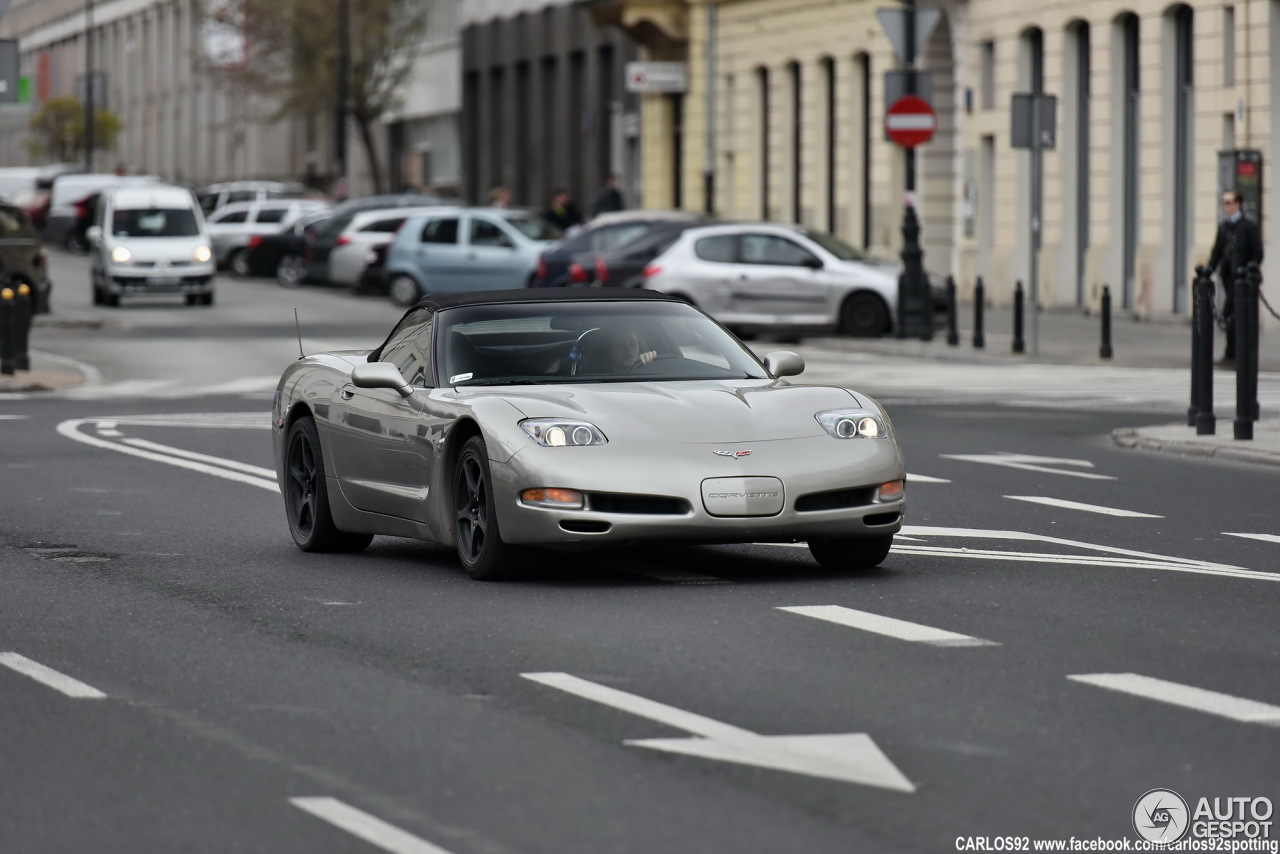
150, 240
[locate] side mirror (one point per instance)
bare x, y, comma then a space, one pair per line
93, 233
813, 263
784, 363
380, 375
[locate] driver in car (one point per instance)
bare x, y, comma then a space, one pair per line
617, 352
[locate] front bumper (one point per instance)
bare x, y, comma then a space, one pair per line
658, 492
169, 282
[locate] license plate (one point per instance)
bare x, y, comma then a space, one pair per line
162, 280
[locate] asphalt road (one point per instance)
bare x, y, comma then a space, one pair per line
249, 697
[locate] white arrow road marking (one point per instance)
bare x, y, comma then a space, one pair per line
359, 823
924, 478
1211, 702
887, 626
1266, 538
71, 429
1076, 505
203, 458
1030, 463
850, 757
50, 677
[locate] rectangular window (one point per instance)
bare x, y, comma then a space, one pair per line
988, 70
1229, 46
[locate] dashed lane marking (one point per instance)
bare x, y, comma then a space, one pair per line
50, 677
1266, 538
370, 828
887, 626
1088, 508
1187, 696
924, 478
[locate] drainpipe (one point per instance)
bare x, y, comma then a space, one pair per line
709, 149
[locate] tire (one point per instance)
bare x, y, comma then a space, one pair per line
481, 550
110, 300
306, 497
851, 554
97, 295
864, 315
193, 299
291, 271
238, 263
403, 290
206, 299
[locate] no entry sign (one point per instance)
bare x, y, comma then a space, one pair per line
910, 121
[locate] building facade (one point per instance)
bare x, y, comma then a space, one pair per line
544, 105
783, 119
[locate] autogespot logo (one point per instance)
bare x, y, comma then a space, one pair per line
1161, 816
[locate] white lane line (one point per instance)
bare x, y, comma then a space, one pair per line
1026, 462
108, 432
71, 430
1199, 699
50, 677
360, 824
887, 626
14, 417
202, 458
1266, 538
1089, 508
924, 478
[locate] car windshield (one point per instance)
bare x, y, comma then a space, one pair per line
535, 227
155, 222
589, 342
836, 246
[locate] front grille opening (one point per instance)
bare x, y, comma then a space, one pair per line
880, 519
585, 526
837, 500
640, 505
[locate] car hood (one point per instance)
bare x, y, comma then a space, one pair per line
688, 412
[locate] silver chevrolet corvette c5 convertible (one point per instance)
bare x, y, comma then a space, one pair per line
577, 417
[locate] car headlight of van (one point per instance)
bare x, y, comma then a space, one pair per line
853, 424
203, 254
121, 255
560, 432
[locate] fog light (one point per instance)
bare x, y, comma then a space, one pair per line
564, 499
891, 491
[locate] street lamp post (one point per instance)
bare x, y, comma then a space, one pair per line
88, 87
914, 319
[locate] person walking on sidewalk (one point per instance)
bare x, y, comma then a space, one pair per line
562, 213
1239, 242
609, 199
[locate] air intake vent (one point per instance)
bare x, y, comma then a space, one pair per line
640, 505
838, 500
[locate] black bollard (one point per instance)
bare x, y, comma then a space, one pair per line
1255, 286
22, 327
1105, 350
1243, 426
1202, 275
979, 297
953, 332
1019, 345
1206, 424
8, 367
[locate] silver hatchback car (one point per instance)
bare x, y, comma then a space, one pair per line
771, 277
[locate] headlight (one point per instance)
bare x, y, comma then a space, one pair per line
203, 254
121, 255
853, 424
557, 432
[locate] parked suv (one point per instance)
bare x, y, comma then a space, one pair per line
150, 240
232, 226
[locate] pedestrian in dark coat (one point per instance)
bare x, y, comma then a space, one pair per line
562, 213
609, 199
1239, 241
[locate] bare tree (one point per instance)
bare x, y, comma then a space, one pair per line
292, 48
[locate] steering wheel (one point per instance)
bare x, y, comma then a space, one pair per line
578, 348
661, 357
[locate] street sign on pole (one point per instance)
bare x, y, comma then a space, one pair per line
894, 22
1034, 117
649, 78
910, 121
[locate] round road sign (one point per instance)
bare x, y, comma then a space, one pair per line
910, 121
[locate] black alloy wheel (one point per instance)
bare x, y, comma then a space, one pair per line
238, 263
864, 315
851, 554
290, 271
480, 547
306, 497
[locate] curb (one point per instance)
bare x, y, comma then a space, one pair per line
1129, 437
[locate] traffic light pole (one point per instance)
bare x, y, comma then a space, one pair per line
914, 314
89, 141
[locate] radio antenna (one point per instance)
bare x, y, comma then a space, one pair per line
298, 325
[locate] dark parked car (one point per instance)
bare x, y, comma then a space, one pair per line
601, 234
281, 254
623, 265
318, 250
22, 255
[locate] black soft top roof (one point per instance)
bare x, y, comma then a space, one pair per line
526, 295
436, 303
